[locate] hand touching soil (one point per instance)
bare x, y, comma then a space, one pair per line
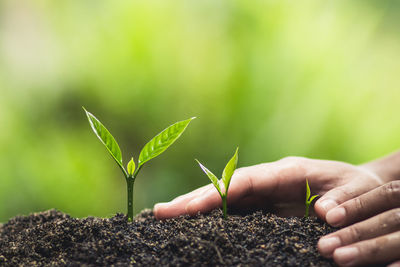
367, 195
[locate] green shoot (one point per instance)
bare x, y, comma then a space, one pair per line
152, 149
226, 179
308, 198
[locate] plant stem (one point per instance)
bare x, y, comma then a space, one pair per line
224, 206
129, 183
307, 207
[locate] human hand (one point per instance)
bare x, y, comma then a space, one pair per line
282, 181
376, 239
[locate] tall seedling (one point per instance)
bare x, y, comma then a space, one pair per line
226, 179
152, 149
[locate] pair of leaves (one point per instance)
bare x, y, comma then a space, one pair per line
308, 194
226, 174
152, 149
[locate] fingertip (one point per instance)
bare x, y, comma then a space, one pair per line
328, 204
167, 210
327, 245
346, 256
158, 210
159, 205
336, 216
323, 205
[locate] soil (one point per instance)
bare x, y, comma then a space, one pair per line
53, 238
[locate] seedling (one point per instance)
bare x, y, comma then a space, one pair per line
226, 178
308, 198
152, 149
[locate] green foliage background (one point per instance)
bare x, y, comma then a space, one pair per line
309, 78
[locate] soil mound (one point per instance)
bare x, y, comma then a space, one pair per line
53, 238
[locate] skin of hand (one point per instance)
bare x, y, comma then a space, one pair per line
340, 185
374, 232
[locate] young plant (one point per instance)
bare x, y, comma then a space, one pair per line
152, 149
226, 178
309, 199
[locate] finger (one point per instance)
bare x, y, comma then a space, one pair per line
176, 207
204, 203
383, 249
362, 182
394, 264
335, 197
382, 224
371, 203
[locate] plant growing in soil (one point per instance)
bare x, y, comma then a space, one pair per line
309, 199
226, 179
152, 149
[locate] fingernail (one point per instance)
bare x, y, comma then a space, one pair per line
161, 204
328, 244
336, 216
328, 204
345, 256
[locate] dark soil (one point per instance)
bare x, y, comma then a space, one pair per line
52, 238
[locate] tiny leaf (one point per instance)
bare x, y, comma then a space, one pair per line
162, 141
131, 167
308, 193
312, 198
211, 176
229, 170
106, 138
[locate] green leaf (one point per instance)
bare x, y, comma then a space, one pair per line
106, 138
162, 141
211, 176
312, 198
131, 167
229, 170
308, 193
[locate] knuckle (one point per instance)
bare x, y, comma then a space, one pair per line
354, 233
293, 159
378, 245
358, 204
245, 178
239, 171
250, 186
242, 174
344, 191
395, 216
392, 192
292, 165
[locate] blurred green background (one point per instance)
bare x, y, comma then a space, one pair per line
309, 78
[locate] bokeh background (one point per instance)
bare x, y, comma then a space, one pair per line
318, 79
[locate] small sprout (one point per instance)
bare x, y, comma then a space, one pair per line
226, 179
131, 167
308, 198
152, 149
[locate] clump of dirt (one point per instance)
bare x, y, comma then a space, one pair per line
53, 238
